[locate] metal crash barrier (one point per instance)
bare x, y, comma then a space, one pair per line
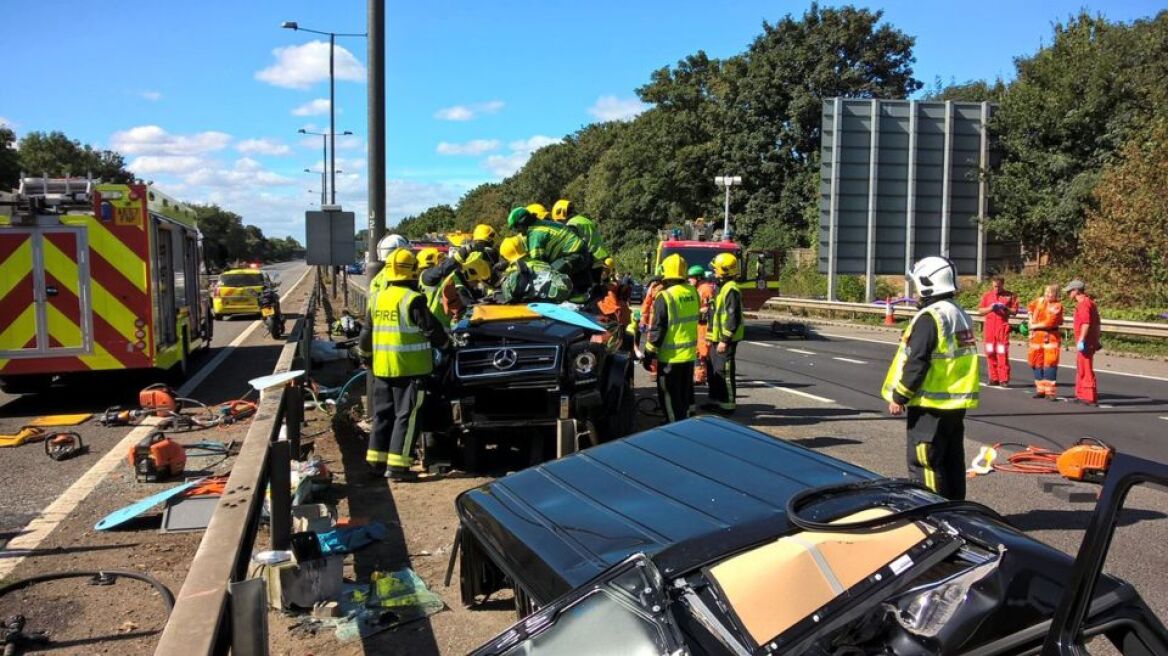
200, 622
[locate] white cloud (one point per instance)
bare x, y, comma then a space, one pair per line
349, 142
244, 173
521, 150
300, 67
147, 165
152, 96
468, 112
312, 108
611, 108
263, 147
406, 197
473, 147
153, 140
7, 123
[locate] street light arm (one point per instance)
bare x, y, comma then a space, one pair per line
293, 25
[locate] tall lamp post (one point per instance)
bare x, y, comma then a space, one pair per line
727, 181
325, 165
332, 133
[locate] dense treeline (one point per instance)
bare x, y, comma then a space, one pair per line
1077, 121
225, 237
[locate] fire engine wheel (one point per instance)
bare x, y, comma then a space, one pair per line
25, 384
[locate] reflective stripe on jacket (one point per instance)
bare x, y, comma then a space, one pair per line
722, 319
951, 382
399, 347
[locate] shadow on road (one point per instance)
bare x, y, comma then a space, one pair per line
824, 442
1061, 520
60, 551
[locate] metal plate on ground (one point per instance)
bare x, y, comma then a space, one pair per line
188, 514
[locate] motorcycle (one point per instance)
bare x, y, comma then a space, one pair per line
270, 312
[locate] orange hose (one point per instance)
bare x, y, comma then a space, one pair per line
1030, 460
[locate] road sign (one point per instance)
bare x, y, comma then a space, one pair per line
330, 237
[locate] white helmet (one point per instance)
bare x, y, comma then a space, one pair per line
934, 276
389, 244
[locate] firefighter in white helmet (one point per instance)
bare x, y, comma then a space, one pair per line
934, 376
385, 248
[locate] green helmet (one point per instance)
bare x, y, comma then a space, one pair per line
519, 217
696, 271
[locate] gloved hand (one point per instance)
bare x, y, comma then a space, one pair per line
649, 361
997, 307
1082, 346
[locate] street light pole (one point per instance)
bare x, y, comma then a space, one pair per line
727, 181
332, 122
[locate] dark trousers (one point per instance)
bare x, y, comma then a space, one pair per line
723, 391
675, 390
936, 450
395, 406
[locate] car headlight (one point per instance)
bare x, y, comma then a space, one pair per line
584, 363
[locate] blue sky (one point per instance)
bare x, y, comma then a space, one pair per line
205, 98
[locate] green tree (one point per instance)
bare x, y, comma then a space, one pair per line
9, 159
969, 91
487, 203
437, 219
57, 155
224, 239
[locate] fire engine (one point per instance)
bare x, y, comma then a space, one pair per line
96, 277
698, 243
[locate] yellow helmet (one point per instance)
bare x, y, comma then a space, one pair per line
513, 248
402, 265
484, 232
673, 267
725, 265
538, 210
609, 263
430, 257
476, 267
562, 209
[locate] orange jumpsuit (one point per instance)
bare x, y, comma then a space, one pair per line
706, 292
647, 316
1046, 320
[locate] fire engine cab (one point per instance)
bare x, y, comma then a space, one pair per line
698, 243
96, 277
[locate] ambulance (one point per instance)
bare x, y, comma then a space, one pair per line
97, 278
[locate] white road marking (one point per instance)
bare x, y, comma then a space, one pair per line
851, 360
802, 352
31, 536
1062, 365
761, 344
796, 392
1164, 418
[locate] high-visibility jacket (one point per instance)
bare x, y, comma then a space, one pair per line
952, 381
722, 315
399, 347
549, 241
680, 342
586, 228
435, 298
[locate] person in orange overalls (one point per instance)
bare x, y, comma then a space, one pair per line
997, 306
706, 291
652, 288
1046, 320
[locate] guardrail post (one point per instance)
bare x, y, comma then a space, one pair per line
294, 417
280, 482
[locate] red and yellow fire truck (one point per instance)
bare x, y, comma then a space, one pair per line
698, 243
96, 277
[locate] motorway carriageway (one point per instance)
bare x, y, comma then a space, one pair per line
846, 367
31, 482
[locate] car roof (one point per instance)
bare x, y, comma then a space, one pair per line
248, 270
684, 487
693, 243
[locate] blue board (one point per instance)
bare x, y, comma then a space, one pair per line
564, 315
123, 515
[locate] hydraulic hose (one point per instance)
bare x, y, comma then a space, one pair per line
163, 591
801, 500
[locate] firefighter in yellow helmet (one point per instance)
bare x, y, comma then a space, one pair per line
558, 245
564, 211
396, 343
449, 288
673, 339
723, 332
526, 279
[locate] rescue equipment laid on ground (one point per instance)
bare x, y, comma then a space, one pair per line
1087, 460
123, 515
26, 434
62, 446
159, 399
117, 416
157, 457
565, 315
61, 420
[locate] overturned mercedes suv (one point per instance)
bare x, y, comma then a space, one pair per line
705, 537
518, 380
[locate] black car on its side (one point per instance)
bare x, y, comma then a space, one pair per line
705, 537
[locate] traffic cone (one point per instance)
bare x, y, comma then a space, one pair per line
889, 317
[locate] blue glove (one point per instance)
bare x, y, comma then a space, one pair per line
1082, 346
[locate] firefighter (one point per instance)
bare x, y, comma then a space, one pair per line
1086, 331
396, 342
997, 306
565, 212
697, 278
652, 288
726, 329
385, 247
448, 288
529, 280
673, 339
1045, 323
614, 305
935, 376
557, 245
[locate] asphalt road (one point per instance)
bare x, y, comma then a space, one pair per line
31, 481
847, 367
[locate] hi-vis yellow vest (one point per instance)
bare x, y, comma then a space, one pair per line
952, 382
716, 332
399, 347
682, 306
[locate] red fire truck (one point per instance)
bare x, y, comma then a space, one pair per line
698, 244
96, 277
